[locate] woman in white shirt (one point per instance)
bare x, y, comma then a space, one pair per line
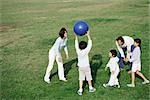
55, 54
136, 63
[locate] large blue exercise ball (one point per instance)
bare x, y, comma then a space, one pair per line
80, 28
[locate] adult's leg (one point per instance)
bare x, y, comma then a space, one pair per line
121, 62
121, 59
60, 68
49, 67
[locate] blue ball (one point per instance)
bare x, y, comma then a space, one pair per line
80, 28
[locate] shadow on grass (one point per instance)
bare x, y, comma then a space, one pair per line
95, 64
67, 67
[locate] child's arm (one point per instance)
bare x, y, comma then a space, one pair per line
76, 44
89, 46
106, 68
88, 35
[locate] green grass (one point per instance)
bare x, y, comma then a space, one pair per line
29, 27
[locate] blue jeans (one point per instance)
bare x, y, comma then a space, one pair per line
121, 61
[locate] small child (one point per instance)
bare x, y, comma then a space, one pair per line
114, 69
82, 50
136, 63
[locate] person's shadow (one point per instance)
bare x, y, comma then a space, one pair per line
67, 67
95, 64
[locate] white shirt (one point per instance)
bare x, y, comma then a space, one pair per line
128, 42
83, 58
135, 56
113, 64
58, 45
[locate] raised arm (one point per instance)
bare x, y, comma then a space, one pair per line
76, 44
89, 46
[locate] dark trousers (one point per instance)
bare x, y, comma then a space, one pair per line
121, 59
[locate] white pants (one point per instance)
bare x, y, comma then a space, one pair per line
52, 58
113, 79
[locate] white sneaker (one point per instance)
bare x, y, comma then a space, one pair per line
118, 86
47, 80
92, 90
145, 82
79, 93
105, 85
63, 80
130, 85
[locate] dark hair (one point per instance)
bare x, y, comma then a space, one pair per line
82, 45
113, 52
120, 38
137, 40
62, 32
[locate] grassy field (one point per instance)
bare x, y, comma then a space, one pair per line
29, 27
